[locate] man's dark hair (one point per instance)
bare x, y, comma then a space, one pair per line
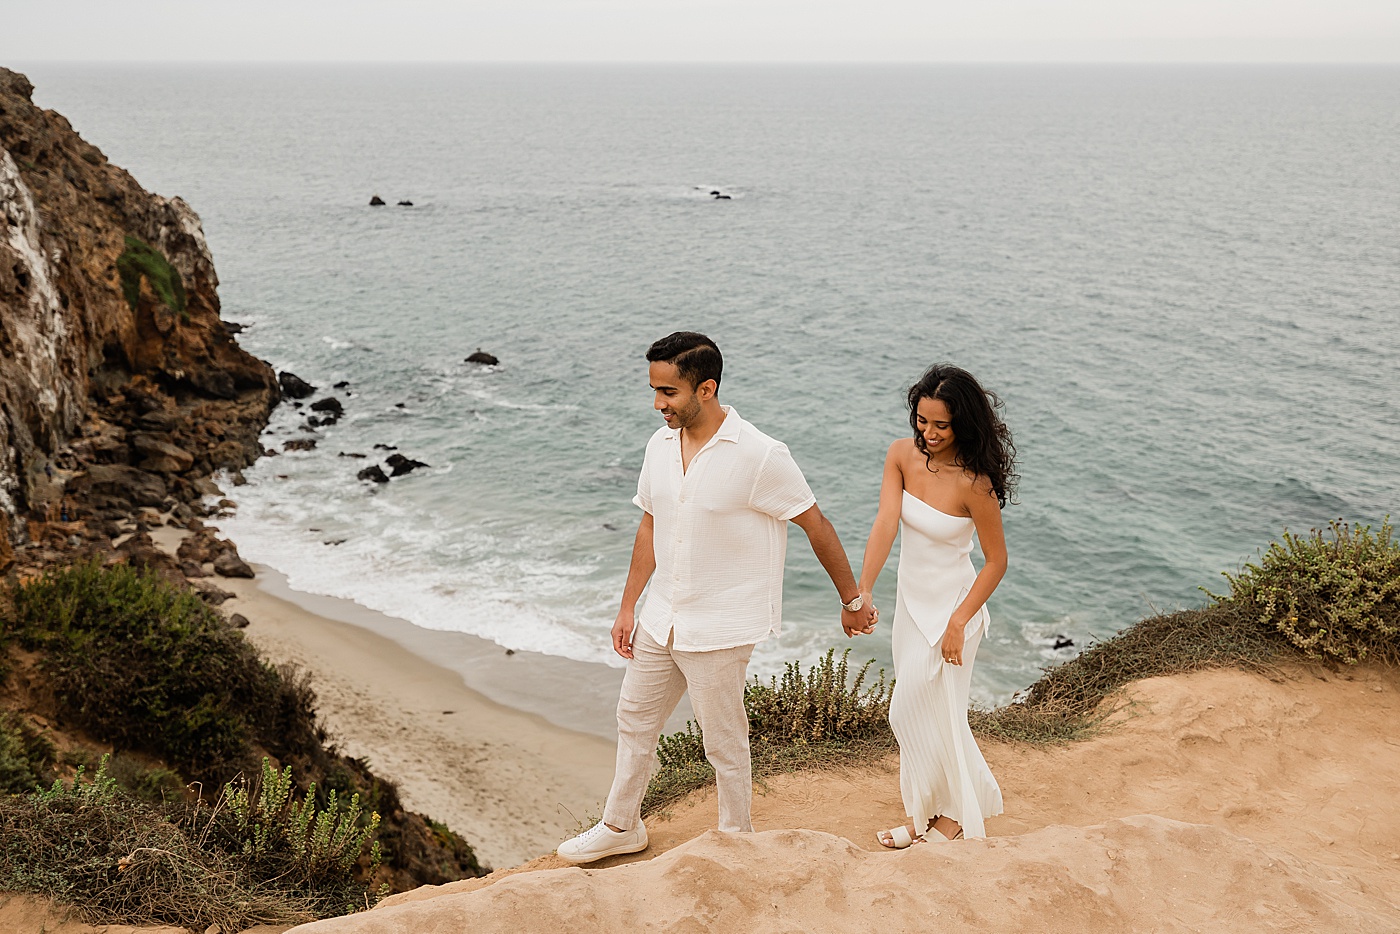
695, 355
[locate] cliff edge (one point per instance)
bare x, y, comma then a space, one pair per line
118, 380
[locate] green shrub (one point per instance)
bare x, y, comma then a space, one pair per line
25, 755
1334, 597
146, 666
139, 260
258, 856
280, 837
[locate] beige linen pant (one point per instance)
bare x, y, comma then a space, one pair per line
656, 678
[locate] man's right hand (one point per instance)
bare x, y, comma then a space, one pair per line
622, 633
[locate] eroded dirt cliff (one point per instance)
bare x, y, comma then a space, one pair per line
120, 385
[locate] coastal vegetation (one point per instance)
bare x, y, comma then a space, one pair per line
120, 657
255, 854
1330, 595
151, 667
141, 260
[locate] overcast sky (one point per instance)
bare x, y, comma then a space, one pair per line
700, 30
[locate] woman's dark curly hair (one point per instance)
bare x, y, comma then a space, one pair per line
983, 440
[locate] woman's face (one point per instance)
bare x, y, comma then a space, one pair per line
935, 423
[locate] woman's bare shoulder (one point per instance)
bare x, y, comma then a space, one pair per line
974, 485
902, 447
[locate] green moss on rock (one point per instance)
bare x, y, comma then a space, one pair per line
141, 259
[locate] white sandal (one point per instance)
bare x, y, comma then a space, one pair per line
900, 838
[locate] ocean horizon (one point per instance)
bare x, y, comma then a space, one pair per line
1181, 280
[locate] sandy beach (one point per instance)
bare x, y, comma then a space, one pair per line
510, 781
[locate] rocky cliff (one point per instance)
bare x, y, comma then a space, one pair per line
120, 386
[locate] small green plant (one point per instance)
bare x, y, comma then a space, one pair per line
25, 755
1333, 595
823, 705
805, 719
141, 260
296, 838
99, 791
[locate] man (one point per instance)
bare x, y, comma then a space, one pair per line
716, 494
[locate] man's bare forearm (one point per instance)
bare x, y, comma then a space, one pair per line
826, 545
643, 564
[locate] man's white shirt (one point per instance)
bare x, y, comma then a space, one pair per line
720, 536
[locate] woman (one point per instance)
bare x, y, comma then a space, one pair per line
951, 478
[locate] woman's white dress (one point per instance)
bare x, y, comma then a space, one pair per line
941, 770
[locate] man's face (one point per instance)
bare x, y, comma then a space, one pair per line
673, 396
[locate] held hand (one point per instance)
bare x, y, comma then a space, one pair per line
861, 622
622, 634
874, 612
852, 623
952, 646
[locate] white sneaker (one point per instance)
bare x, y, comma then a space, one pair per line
600, 840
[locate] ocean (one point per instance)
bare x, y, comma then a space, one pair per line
1182, 281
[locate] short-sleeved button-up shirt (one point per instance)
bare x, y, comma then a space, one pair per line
720, 535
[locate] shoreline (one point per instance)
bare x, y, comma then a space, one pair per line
512, 781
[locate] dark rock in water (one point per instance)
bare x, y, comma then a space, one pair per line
314, 422
720, 197
482, 357
386, 447
329, 404
233, 327
402, 465
335, 541
372, 473
342, 384
399, 405
1063, 642
228, 564
238, 621
299, 444
238, 478
405, 204
351, 454
293, 386
714, 192
376, 202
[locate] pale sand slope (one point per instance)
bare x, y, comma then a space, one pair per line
507, 781
1220, 801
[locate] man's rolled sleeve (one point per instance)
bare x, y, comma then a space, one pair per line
780, 489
